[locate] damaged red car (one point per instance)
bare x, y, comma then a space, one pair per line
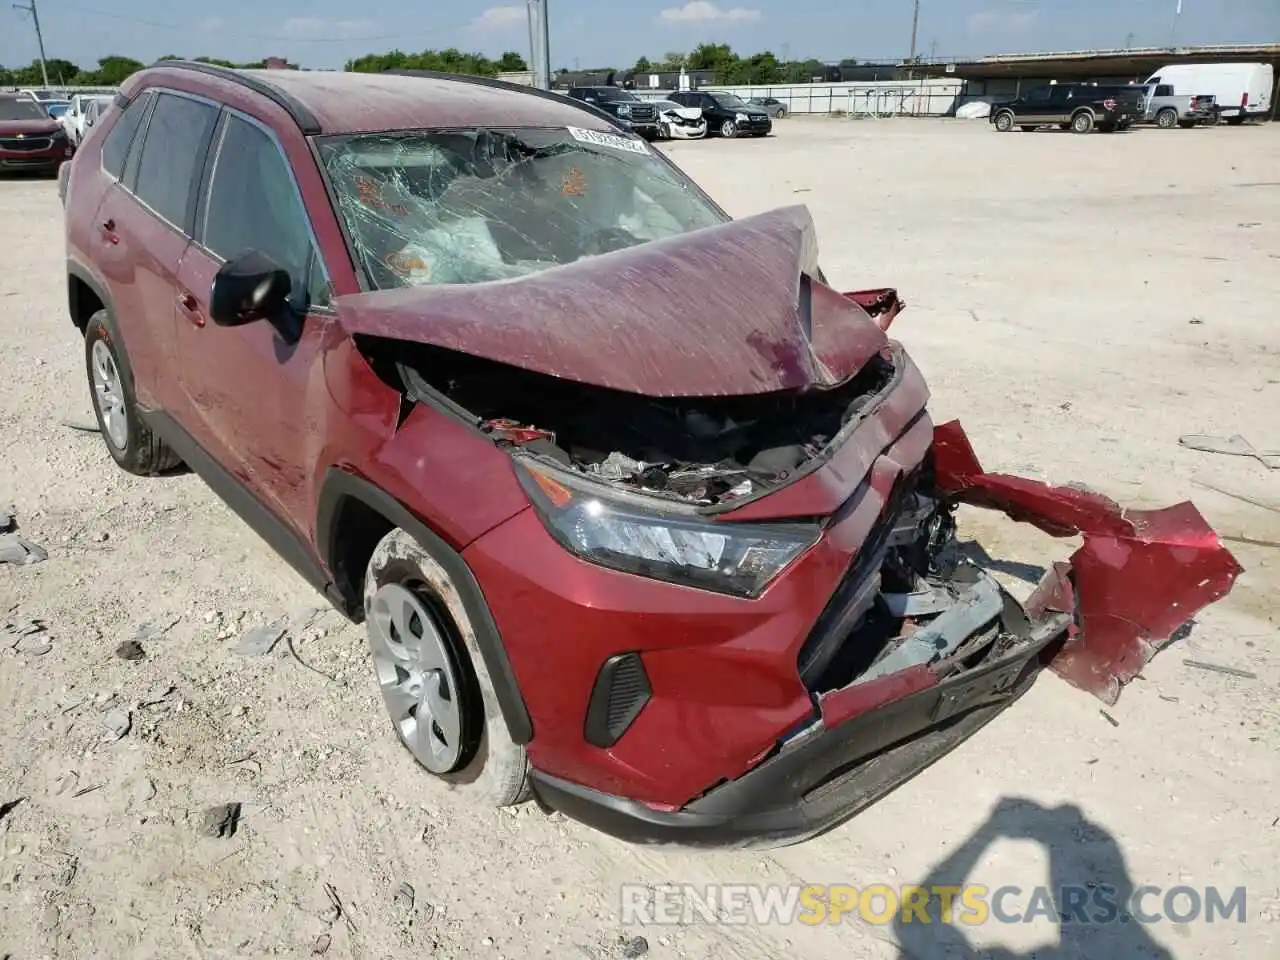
645, 520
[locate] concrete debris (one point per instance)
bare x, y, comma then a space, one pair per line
8, 518
154, 631
31, 638
404, 897
1214, 668
20, 552
131, 650
260, 641
1232, 446
220, 822
636, 947
321, 946
118, 723
144, 790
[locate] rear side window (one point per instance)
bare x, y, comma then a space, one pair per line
1164, 91
115, 149
173, 150
253, 204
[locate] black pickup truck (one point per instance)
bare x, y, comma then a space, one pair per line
624, 106
1080, 107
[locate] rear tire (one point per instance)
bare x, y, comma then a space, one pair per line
131, 443
1167, 118
1082, 122
1235, 121
482, 763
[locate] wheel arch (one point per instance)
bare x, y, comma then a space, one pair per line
352, 516
85, 297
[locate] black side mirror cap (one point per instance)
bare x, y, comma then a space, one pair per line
249, 287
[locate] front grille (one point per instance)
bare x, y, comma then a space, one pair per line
25, 144
643, 113
621, 692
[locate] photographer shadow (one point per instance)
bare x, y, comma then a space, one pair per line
1082, 855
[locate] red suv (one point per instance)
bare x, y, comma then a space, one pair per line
643, 518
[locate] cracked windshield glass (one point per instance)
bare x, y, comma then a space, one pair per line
469, 206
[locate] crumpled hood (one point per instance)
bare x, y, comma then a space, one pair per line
688, 113
720, 311
33, 127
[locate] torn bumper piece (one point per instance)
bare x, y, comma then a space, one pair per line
1096, 621
1138, 577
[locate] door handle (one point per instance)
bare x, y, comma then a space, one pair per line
191, 307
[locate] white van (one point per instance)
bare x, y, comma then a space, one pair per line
1243, 89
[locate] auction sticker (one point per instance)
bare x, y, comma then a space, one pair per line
613, 141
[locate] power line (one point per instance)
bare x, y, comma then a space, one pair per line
186, 27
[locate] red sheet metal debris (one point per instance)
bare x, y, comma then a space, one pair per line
1139, 575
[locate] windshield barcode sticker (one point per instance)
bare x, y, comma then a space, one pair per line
608, 140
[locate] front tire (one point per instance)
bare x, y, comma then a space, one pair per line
728, 129
131, 443
1004, 121
433, 678
781, 114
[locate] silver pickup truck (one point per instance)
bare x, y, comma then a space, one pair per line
1166, 108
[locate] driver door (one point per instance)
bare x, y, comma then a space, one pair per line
253, 389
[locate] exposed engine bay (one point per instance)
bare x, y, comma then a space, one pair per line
700, 450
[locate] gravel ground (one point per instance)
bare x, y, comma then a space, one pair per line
1079, 302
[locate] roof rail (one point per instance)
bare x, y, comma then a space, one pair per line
513, 88
303, 117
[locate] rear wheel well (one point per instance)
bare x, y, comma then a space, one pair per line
357, 529
82, 302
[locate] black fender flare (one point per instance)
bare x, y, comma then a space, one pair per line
78, 271
339, 485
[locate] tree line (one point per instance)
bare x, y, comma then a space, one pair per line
110, 72
757, 69
729, 68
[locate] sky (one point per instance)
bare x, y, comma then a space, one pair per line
590, 33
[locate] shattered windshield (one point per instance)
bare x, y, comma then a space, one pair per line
469, 206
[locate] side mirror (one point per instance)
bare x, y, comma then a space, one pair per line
250, 287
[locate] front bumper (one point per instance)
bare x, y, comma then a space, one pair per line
825, 775
18, 154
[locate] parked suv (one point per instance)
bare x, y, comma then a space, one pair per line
1079, 107
727, 114
625, 107
657, 528
30, 139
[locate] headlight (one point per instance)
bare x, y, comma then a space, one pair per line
629, 533
624, 110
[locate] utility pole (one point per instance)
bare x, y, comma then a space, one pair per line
915, 25
1177, 14
539, 44
35, 16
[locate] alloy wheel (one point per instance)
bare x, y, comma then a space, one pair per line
418, 677
108, 396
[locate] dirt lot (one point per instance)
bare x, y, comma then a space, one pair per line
1080, 302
